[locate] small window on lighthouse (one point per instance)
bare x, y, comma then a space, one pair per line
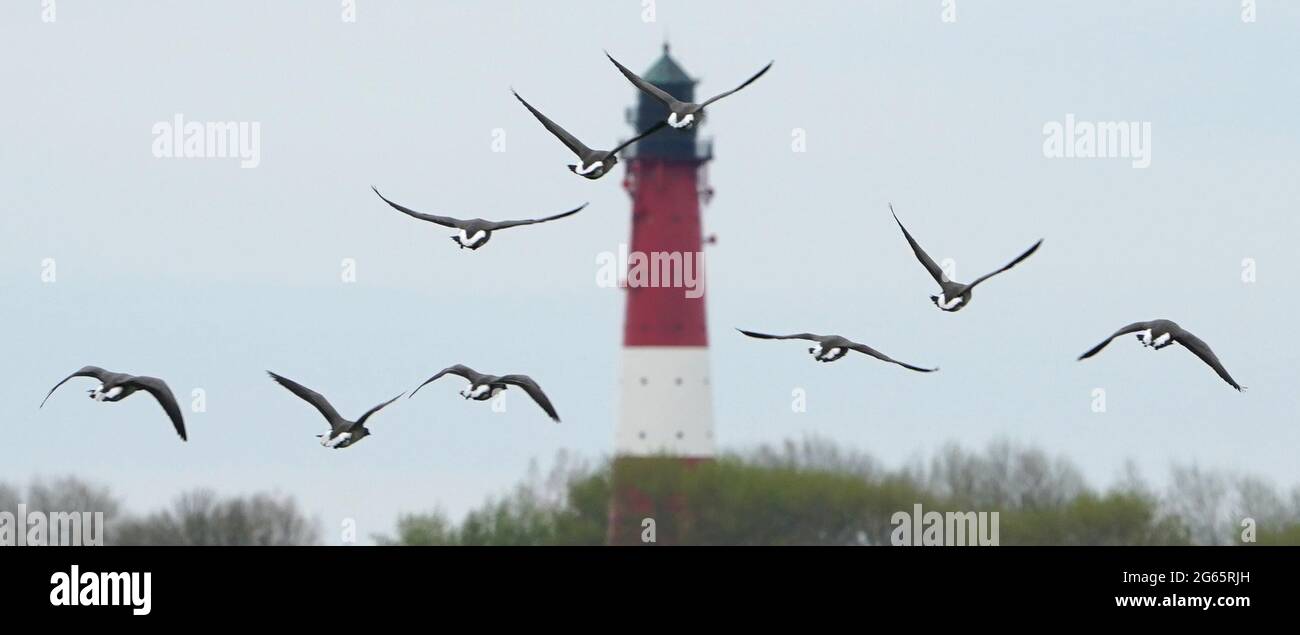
678, 381
679, 434
644, 381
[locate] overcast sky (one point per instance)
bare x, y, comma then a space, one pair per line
206, 274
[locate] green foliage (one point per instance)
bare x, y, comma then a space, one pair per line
1117, 518
814, 493
1288, 536
568, 508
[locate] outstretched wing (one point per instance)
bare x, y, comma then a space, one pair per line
1132, 328
515, 223
445, 221
310, 396
647, 87
362, 419
560, 133
797, 336
534, 391
926, 260
1202, 350
459, 369
747, 82
1009, 265
863, 348
158, 388
86, 371
649, 131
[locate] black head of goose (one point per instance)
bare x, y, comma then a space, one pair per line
954, 295
343, 433
592, 164
833, 347
475, 232
682, 115
1158, 334
484, 387
114, 387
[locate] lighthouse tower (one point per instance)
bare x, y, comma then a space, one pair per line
665, 422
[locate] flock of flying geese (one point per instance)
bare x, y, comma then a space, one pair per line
953, 296
593, 164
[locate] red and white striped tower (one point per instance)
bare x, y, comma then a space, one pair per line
666, 407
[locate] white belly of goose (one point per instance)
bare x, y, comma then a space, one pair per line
680, 123
470, 241
948, 304
330, 443
588, 169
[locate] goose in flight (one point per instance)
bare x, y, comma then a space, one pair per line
475, 232
118, 386
484, 387
955, 295
832, 347
343, 433
681, 114
592, 164
1158, 334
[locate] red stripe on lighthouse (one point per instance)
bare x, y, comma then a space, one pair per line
666, 226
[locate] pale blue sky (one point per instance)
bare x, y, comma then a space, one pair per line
206, 274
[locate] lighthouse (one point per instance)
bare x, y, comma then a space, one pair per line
665, 416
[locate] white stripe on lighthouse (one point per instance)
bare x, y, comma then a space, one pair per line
666, 406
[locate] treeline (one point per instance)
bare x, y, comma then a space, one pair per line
806, 493
815, 493
195, 518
